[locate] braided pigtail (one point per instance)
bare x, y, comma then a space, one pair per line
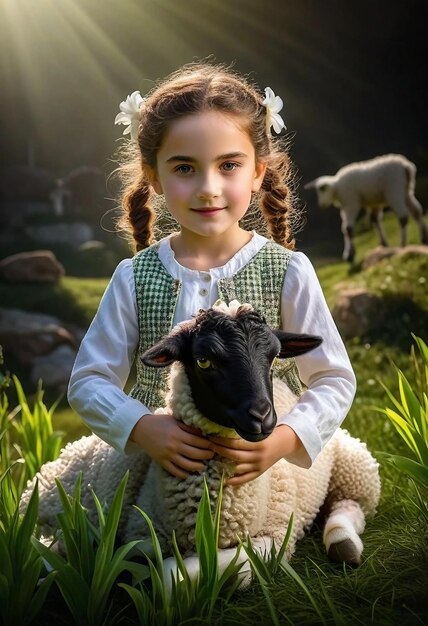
138, 216
277, 200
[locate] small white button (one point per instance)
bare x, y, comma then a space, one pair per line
207, 278
203, 292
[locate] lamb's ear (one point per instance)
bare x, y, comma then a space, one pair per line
294, 344
165, 352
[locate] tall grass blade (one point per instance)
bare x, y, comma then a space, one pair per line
414, 470
412, 422
284, 544
86, 576
20, 600
295, 576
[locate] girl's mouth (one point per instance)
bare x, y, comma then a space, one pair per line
212, 210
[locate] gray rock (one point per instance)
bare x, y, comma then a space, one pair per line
381, 253
37, 266
376, 255
356, 311
26, 336
54, 369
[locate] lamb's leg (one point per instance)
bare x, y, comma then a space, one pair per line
348, 216
401, 209
344, 524
261, 545
376, 217
403, 231
416, 210
353, 493
348, 246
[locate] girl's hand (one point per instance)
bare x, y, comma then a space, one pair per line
178, 448
253, 459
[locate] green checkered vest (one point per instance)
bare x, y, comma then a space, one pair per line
258, 283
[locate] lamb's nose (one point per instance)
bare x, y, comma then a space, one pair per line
261, 412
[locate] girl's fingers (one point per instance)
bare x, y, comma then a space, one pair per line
234, 455
184, 463
198, 442
193, 438
199, 454
189, 429
242, 478
172, 469
245, 468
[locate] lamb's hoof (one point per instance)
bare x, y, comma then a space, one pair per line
345, 551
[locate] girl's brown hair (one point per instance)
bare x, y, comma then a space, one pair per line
196, 88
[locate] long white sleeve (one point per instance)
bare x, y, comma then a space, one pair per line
104, 361
326, 371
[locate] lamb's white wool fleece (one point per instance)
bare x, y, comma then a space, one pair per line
343, 470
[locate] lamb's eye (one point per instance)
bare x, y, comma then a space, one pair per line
203, 363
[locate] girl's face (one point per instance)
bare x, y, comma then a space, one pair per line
207, 170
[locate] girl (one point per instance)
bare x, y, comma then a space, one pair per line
203, 142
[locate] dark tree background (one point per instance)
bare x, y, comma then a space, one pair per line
352, 73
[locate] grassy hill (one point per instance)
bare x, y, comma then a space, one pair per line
389, 588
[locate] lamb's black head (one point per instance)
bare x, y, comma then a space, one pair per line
228, 360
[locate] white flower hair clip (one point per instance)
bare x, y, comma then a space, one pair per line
273, 106
130, 114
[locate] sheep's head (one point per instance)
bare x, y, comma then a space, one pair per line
324, 186
227, 357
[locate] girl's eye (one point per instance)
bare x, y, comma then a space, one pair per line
203, 363
229, 166
183, 169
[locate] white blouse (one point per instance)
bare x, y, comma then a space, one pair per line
107, 351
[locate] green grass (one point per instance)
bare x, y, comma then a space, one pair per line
323, 253
68, 422
390, 587
72, 300
332, 271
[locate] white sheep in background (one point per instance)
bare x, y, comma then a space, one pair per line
235, 393
385, 181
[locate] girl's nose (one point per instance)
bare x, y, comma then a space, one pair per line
209, 187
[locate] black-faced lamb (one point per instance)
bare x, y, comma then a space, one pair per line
385, 181
221, 382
